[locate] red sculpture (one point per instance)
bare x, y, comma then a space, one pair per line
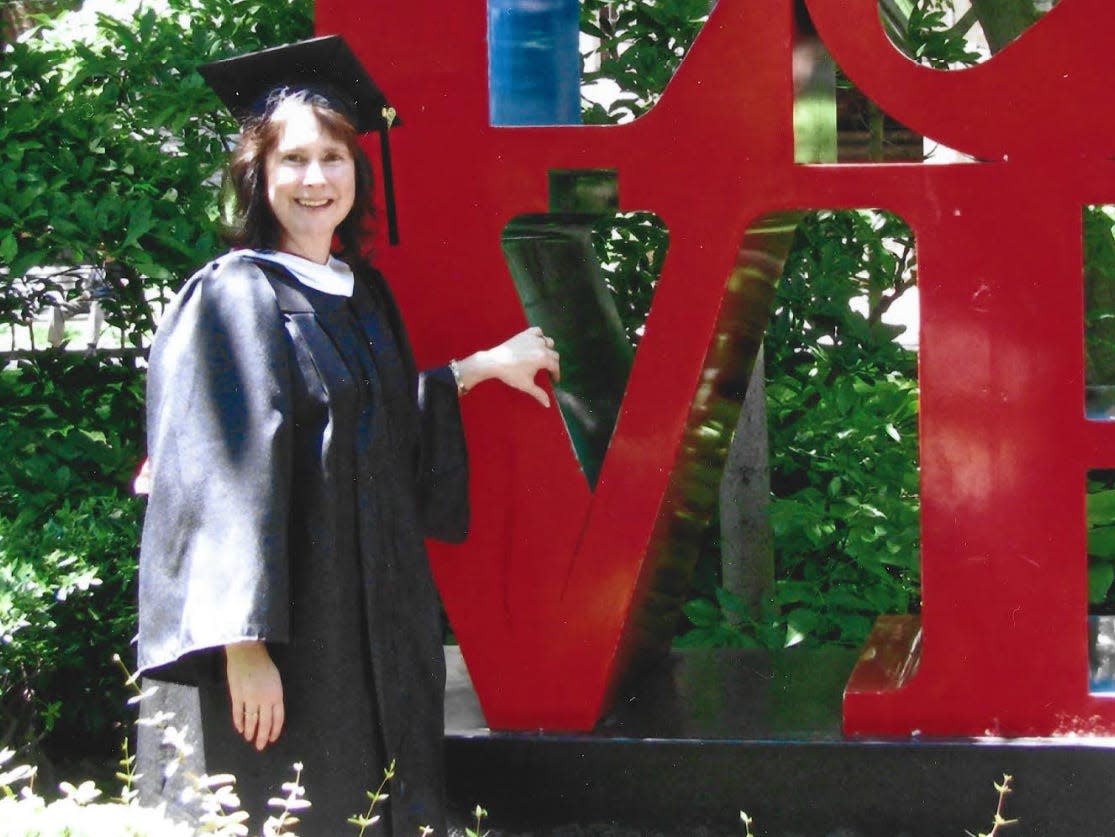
549, 594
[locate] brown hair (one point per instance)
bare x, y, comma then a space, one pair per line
253, 224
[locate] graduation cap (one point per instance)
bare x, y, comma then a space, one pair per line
322, 66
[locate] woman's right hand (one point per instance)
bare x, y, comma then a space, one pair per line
256, 692
516, 362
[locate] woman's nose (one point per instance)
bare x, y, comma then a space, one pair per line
314, 173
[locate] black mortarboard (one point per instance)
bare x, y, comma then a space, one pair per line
323, 66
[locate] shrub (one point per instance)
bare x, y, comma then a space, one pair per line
66, 599
68, 537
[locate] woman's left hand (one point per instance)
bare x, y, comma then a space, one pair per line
256, 693
516, 362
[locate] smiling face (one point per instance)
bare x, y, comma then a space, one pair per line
311, 182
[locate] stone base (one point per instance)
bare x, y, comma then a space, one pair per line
708, 733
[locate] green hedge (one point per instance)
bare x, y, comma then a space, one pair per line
68, 540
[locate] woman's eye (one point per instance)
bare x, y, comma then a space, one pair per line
293, 158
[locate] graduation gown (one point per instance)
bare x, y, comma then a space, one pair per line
298, 461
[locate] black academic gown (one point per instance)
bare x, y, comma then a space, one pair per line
297, 462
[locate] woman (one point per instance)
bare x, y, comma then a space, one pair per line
297, 461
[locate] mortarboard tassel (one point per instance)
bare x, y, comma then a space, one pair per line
388, 176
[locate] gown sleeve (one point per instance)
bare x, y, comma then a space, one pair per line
441, 476
443, 462
213, 559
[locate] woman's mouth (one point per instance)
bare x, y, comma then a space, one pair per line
313, 203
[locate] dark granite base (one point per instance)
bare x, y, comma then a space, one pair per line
708, 733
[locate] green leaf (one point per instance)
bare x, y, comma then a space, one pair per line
1100, 578
1101, 507
1101, 542
730, 603
702, 613
139, 222
9, 247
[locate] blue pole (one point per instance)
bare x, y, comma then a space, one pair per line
534, 62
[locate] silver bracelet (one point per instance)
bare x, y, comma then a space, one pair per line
455, 368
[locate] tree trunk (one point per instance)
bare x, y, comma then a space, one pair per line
1004, 20
746, 541
15, 15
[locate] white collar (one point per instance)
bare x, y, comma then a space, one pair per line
334, 277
